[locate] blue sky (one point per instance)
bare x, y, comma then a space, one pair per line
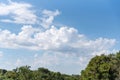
59, 35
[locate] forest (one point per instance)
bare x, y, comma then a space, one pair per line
103, 67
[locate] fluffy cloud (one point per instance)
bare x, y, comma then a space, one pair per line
20, 13
64, 39
48, 17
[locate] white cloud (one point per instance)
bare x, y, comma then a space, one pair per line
64, 39
20, 13
48, 17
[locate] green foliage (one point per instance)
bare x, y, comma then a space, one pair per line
24, 73
104, 67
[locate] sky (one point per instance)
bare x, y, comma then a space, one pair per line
59, 35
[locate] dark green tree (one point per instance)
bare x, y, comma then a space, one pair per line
100, 68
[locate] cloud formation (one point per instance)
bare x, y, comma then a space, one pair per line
48, 17
20, 13
63, 39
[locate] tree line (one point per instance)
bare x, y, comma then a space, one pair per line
103, 67
25, 73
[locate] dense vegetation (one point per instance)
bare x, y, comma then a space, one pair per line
104, 67
24, 73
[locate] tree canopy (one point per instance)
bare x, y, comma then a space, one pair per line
25, 73
104, 67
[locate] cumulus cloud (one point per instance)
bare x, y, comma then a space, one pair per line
20, 13
48, 17
64, 39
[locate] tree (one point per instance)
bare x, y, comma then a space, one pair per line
24, 73
100, 68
